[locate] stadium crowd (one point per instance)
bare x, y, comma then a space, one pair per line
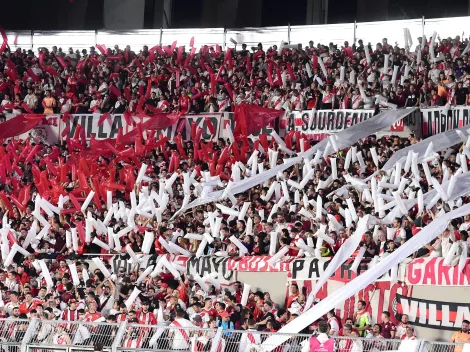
121, 80
164, 79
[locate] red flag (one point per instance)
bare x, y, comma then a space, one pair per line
101, 48
127, 93
229, 90
5, 40
210, 126
179, 56
252, 118
291, 71
191, 42
33, 76
103, 118
61, 61
114, 90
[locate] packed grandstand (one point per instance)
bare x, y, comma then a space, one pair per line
147, 228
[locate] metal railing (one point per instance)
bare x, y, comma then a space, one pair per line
64, 336
435, 346
78, 333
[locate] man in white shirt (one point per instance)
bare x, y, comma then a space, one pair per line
224, 103
296, 101
103, 87
333, 322
14, 303
72, 56
250, 337
31, 100
277, 100
180, 336
82, 333
36, 70
11, 282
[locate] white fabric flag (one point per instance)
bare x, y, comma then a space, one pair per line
426, 235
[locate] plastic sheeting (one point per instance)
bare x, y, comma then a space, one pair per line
461, 188
345, 139
440, 142
426, 235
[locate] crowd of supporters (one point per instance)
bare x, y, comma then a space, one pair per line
209, 79
121, 81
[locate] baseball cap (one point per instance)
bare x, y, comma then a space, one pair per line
224, 314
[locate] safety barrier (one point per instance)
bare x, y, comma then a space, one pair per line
372, 32
429, 346
64, 336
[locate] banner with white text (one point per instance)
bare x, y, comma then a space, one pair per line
437, 120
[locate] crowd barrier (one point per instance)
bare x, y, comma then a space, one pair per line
372, 32
56, 335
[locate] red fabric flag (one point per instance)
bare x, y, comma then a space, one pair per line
33, 76
229, 90
291, 71
102, 48
103, 118
127, 117
178, 73
210, 126
151, 57
269, 74
258, 54
127, 93
252, 118
61, 61
202, 64
191, 42
213, 83
159, 49
179, 56
26, 108
114, 90
17, 125
315, 62
279, 77
41, 58
139, 65
248, 65
5, 40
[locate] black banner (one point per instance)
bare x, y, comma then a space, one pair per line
438, 120
433, 314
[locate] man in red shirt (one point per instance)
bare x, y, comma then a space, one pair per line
144, 316
294, 293
23, 277
29, 303
184, 102
92, 314
71, 313
388, 328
